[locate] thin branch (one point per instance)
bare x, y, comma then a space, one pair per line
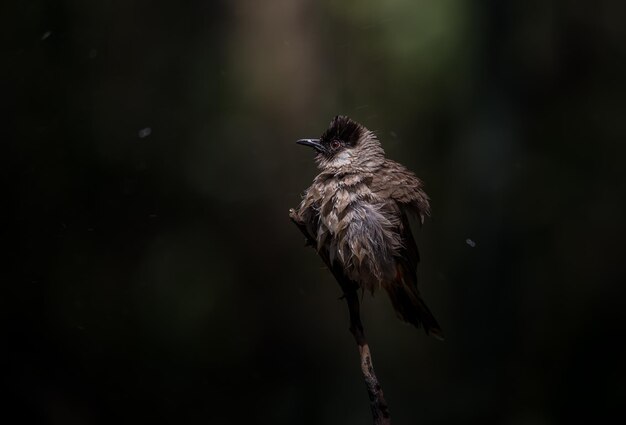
378, 405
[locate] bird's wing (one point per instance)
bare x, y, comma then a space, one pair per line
405, 297
403, 192
395, 182
409, 250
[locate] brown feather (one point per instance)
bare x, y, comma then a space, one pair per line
356, 213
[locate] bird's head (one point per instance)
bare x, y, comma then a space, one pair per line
346, 146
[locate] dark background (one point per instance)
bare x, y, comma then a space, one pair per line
154, 275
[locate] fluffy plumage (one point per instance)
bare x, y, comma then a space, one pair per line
356, 212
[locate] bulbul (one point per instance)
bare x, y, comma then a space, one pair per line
356, 215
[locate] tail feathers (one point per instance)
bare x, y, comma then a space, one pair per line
411, 308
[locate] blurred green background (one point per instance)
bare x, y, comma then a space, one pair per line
154, 275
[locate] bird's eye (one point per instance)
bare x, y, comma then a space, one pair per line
334, 145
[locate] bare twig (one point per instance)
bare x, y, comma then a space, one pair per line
378, 405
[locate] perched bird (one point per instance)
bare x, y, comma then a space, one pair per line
356, 215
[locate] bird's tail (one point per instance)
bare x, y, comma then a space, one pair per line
411, 308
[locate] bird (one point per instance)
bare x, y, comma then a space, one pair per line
356, 215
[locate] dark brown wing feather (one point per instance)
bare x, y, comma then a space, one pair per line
403, 291
395, 182
400, 186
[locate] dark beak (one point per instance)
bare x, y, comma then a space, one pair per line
314, 143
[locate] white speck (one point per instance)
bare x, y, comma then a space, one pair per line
470, 242
393, 134
46, 35
144, 132
93, 53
